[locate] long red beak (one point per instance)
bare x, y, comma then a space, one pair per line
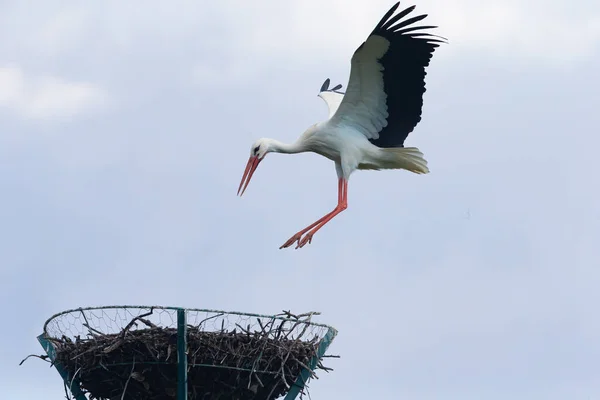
250, 168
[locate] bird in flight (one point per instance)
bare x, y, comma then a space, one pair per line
367, 125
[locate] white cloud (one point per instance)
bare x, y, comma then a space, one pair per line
527, 31
300, 33
46, 97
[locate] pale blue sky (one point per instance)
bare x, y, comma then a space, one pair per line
125, 131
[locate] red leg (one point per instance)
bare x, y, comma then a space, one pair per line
314, 227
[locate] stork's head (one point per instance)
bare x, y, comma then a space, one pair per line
258, 151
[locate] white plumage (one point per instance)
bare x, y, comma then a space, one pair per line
332, 98
368, 124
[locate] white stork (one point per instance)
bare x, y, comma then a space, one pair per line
368, 124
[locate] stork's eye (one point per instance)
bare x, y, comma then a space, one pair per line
256, 149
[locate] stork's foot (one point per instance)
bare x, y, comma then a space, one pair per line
305, 240
297, 238
292, 240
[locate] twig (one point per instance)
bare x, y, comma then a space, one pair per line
246, 331
128, 379
132, 322
211, 317
73, 379
66, 391
148, 323
92, 330
282, 370
42, 357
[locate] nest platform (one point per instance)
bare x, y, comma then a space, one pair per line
160, 353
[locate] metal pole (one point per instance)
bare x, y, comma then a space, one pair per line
69, 381
182, 390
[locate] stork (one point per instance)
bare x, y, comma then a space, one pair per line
367, 125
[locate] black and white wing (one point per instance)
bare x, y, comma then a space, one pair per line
384, 97
333, 97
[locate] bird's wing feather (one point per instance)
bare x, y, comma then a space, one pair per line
384, 97
333, 97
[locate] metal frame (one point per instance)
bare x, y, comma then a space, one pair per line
69, 380
305, 374
182, 364
182, 393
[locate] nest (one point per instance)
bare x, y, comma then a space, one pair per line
142, 364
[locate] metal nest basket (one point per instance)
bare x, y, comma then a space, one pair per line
156, 353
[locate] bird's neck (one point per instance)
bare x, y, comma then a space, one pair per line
287, 148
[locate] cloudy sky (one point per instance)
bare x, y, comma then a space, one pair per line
125, 128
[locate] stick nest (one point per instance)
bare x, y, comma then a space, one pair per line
141, 364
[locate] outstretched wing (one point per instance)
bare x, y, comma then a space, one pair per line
384, 97
333, 97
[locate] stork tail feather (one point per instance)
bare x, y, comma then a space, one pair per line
408, 158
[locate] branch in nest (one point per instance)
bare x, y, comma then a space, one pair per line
93, 332
132, 322
128, 379
42, 357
